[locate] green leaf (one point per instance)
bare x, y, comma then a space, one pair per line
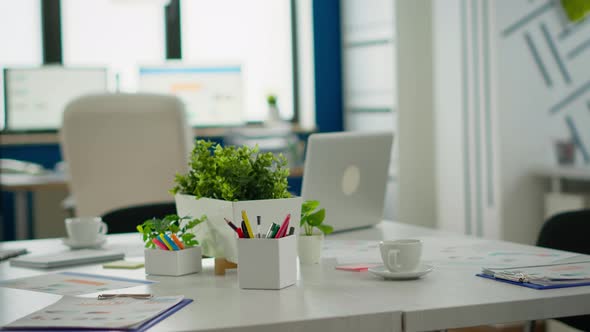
326, 229
309, 206
316, 218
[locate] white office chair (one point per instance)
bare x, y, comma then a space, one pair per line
123, 149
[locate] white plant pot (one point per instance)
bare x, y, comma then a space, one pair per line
216, 238
173, 263
310, 248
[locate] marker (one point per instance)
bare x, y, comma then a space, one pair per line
163, 240
240, 233
291, 231
275, 230
284, 226
177, 241
248, 228
171, 243
270, 229
258, 227
245, 230
159, 244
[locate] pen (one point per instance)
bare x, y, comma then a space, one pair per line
135, 296
275, 230
163, 240
248, 228
240, 233
258, 226
177, 241
231, 224
270, 229
284, 226
171, 243
159, 244
291, 230
245, 230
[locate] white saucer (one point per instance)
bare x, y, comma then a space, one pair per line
382, 271
75, 245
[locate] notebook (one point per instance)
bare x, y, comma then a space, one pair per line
67, 258
347, 172
542, 276
91, 314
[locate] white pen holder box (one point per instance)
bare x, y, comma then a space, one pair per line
267, 263
173, 263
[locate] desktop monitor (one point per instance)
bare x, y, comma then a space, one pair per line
35, 98
212, 94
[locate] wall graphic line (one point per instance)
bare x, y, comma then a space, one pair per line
538, 60
527, 18
566, 75
576, 137
570, 98
477, 116
578, 49
588, 104
465, 111
366, 43
571, 29
487, 102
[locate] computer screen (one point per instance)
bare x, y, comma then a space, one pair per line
212, 94
35, 98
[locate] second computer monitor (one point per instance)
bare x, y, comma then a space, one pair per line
35, 98
212, 94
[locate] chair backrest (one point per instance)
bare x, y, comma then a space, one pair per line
125, 220
567, 231
123, 149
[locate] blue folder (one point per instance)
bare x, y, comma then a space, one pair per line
536, 286
141, 328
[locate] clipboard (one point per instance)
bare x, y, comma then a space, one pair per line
537, 286
141, 328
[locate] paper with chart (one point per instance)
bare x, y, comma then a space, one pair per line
558, 272
79, 312
72, 283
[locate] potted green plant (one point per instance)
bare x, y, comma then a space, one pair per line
170, 246
310, 241
224, 181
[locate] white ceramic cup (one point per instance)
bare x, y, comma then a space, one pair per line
401, 255
85, 230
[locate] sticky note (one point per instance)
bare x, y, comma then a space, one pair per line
123, 265
355, 267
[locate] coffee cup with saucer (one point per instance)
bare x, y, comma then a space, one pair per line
85, 232
401, 259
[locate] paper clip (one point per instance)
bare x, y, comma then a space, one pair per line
134, 296
512, 276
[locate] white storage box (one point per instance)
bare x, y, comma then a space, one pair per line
267, 263
173, 263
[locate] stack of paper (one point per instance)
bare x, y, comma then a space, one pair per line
91, 313
543, 276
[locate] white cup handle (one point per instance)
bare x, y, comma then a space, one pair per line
103, 228
392, 253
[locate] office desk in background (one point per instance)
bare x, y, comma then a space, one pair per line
23, 184
558, 199
326, 299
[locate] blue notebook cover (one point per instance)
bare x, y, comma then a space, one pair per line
535, 286
143, 327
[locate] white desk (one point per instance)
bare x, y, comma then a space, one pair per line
327, 299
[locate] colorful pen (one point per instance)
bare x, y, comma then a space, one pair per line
275, 230
240, 233
284, 227
170, 242
177, 241
269, 232
159, 244
163, 240
258, 226
248, 227
245, 230
231, 224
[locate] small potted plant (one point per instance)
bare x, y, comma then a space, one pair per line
170, 247
223, 181
310, 242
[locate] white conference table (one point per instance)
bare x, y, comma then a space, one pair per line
331, 300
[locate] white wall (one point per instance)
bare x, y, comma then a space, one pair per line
417, 182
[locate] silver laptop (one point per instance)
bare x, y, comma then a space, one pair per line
347, 172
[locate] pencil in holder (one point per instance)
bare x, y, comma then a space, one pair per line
267, 263
173, 263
